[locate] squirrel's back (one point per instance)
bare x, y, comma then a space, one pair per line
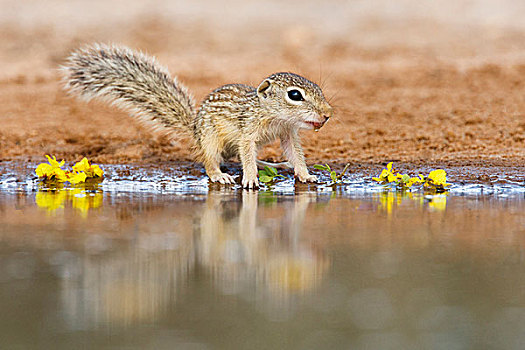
132, 81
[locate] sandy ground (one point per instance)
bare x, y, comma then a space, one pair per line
421, 85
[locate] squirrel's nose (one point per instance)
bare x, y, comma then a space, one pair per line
327, 113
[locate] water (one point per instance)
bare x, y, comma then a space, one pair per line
149, 265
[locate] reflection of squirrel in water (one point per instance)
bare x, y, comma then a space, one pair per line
233, 119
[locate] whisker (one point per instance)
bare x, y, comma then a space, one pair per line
325, 80
334, 95
320, 75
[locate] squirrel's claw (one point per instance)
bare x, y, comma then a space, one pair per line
250, 183
222, 178
307, 178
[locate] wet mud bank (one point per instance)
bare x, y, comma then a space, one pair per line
168, 177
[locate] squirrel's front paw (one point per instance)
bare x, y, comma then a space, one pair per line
307, 178
222, 178
250, 182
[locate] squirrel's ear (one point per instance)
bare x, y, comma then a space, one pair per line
264, 88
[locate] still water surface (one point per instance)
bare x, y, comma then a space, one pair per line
256, 270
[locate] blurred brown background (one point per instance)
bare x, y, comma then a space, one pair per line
414, 81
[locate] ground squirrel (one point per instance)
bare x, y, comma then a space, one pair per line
233, 120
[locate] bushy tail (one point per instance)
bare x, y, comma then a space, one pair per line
131, 81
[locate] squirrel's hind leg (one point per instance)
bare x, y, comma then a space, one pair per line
212, 161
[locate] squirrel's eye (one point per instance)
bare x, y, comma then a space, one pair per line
295, 95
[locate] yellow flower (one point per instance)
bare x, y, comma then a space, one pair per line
91, 170
436, 180
411, 181
438, 177
51, 171
50, 201
391, 177
75, 178
382, 177
386, 175
47, 172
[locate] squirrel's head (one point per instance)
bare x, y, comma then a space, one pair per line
295, 100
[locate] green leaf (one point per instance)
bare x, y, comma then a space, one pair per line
405, 178
319, 167
328, 168
262, 173
271, 170
333, 176
265, 178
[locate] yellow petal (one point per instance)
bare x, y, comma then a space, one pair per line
97, 171
90, 170
76, 178
59, 174
51, 160
391, 178
439, 176
54, 163
43, 169
83, 165
389, 166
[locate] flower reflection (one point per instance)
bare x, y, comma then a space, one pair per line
437, 202
81, 199
51, 200
389, 201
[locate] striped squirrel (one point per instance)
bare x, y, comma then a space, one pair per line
233, 119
